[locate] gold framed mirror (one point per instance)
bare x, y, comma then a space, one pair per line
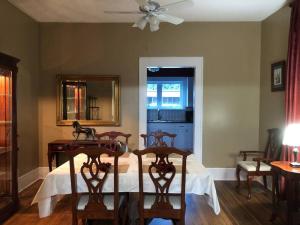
91, 100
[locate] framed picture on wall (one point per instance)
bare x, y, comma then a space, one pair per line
278, 76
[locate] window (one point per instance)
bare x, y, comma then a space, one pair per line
165, 95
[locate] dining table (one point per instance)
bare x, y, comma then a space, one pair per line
57, 182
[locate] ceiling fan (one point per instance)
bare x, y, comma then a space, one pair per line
153, 13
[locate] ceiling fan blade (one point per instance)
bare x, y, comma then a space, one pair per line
170, 19
177, 2
122, 12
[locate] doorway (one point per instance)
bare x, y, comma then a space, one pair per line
196, 63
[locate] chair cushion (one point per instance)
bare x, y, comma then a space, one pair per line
174, 200
108, 201
251, 166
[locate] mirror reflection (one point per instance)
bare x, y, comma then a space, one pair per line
93, 100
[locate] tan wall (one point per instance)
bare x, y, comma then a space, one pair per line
231, 54
20, 38
274, 45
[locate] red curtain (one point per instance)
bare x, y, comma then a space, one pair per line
292, 94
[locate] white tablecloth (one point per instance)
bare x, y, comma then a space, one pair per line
57, 182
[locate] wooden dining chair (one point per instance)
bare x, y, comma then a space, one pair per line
115, 137
158, 139
112, 145
260, 164
95, 204
161, 203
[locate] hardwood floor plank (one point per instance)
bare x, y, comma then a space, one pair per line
235, 208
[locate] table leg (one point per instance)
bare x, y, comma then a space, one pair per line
275, 190
290, 200
57, 159
50, 157
277, 185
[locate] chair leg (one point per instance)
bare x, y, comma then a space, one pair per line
125, 215
249, 180
265, 182
182, 222
179, 222
148, 221
238, 170
141, 215
74, 219
142, 220
116, 220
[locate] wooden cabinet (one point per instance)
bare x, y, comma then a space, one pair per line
184, 131
8, 137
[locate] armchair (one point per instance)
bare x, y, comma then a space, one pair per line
260, 163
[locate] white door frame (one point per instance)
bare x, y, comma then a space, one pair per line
195, 62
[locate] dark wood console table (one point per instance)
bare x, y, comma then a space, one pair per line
292, 177
59, 146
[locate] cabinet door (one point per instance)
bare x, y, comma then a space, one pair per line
179, 140
6, 145
189, 133
184, 139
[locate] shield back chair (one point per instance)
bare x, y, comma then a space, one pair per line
161, 203
158, 139
260, 164
95, 204
114, 136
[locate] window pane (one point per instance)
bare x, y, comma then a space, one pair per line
151, 90
152, 95
152, 102
171, 95
173, 87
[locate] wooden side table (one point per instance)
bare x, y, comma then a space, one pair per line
61, 146
292, 177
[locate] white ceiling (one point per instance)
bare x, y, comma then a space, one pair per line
198, 10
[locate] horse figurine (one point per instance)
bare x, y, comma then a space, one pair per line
89, 132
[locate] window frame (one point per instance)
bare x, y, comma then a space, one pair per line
160, 81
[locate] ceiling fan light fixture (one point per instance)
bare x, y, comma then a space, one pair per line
154, 27
141, 23
153, 20
154, 23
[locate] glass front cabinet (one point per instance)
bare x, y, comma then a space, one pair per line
8, 137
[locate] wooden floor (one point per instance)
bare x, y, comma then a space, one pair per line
235, 209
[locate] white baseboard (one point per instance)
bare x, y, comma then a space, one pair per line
27, 179
32, 176
224, 174
228, 174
